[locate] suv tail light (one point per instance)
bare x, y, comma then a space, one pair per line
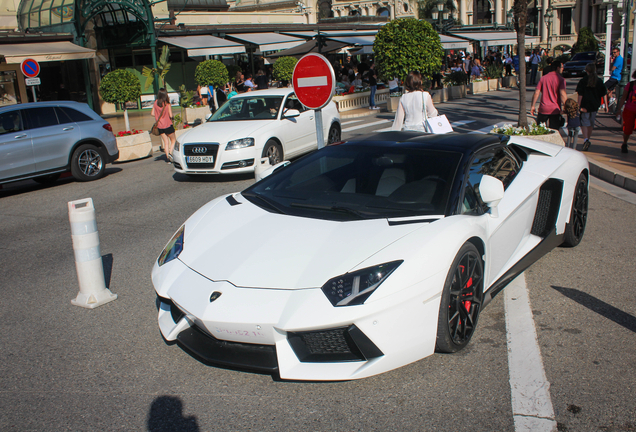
108, 127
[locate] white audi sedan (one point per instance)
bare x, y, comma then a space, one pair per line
266, 123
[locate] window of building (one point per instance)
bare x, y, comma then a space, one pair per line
482, 12
565, 15
9, 93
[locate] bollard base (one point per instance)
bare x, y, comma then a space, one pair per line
91, 301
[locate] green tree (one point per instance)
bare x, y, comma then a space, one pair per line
211, 73
520, 16
163, 67
118, 87
283, 69
585, 42
405, 45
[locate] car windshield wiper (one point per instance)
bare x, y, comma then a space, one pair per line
340, 209
272, 205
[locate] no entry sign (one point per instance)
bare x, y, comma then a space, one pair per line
30, 68
314, 81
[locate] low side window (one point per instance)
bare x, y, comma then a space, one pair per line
69, 115
10, 122
40, 117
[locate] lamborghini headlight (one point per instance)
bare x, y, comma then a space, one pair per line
239, 143
173, 248
354, 288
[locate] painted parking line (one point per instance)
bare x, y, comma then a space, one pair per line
529, 388
362, 126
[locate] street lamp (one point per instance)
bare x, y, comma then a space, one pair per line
548, 21
442, 16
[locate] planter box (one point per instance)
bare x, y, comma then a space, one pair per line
133, 147
180, 132
478, 87
493, 84
509, 82
539, 75
196, 113
392, 104
439, 95
457, 92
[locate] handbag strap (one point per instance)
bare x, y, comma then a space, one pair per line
424, 106
161, 113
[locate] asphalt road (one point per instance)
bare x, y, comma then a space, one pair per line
69, 368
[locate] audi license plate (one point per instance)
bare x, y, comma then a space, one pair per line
200, 159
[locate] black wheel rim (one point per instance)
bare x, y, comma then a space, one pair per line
334, 135
465, 298
90, 162
579, 210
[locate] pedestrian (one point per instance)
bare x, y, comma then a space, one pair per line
204, 93
591, 91
415, 105
629, 112
261, 80
616, 67
162, 111
571, 109
249, 84
239, 82
551, 87
475, 71
373, 84
535, 59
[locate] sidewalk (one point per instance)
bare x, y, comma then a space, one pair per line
605, 157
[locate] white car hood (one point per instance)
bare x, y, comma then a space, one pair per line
223, 131
250, 247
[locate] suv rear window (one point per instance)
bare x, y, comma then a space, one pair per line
40, 117
67, 115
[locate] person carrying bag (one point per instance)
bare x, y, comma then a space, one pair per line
414, 106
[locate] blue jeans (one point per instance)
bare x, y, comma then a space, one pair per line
573, 135
533, 73
372, 97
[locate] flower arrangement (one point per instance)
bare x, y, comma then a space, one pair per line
532, 129
126, 133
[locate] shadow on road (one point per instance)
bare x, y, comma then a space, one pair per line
166, 415
600, 307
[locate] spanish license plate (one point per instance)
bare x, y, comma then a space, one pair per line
200, 159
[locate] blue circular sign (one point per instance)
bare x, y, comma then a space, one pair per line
30, 68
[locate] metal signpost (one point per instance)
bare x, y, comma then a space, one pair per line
31, 69
314, 83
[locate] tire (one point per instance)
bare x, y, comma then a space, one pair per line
461, 300
273, 151
575, 229
87, 163
47, 179
334, 134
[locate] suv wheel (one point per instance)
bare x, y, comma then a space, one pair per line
87, 163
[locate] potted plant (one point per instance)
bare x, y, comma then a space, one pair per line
133, 144
283, 69
494, 72
456, 81
394, 101
534, 131
478, 85
118, 87
213, 74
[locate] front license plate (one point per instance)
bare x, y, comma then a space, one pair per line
200, 159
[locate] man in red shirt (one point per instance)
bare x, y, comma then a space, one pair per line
552, 89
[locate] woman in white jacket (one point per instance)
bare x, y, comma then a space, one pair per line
410, 112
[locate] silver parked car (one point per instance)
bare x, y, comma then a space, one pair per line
41, 140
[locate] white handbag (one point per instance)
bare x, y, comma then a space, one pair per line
435, 125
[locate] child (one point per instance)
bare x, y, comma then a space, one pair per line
571, 109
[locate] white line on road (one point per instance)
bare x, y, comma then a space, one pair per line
462, 123
352, 121
530, 390
365, 125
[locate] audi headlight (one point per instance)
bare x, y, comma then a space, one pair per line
176, 145
239, 143
173, 248
354, 288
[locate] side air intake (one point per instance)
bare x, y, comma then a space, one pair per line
547, 207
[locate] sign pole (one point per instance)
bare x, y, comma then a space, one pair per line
35, 99
320, 133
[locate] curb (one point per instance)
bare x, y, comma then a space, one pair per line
612, 175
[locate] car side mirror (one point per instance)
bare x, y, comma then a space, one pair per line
492, 191
291, 113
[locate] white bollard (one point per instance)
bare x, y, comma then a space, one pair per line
88, 259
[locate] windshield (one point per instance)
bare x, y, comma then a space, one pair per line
589, 56
249, 108
351, 182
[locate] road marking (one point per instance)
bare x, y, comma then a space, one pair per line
312, 81
352, 121
530, 390
362, 126
462, 123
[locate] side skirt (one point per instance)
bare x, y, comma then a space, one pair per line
551, 241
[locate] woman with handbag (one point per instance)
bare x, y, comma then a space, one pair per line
163, 121
415, 106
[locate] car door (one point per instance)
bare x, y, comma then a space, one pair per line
52, 138
516, 210
299, 132
16, 150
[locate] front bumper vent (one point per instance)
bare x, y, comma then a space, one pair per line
333, 345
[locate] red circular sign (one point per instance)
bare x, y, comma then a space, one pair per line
314, 81
30, 68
